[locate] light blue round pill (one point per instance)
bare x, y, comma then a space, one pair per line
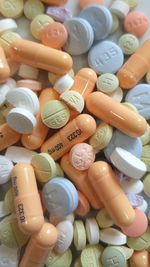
100, 19
119, 139
60, 196
80, 36
112, 257
139, 96
105, 57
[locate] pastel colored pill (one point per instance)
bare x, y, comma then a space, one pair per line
103, 219
79, 235
5, 70
59, 13
63, 83
55, 2
54, 35
65, 236
120, 8
40, 131
38, 24
28, 72
100, 19
116, 114
39, 246
82, 156
137, 23
56, 219
102, 137
140, 243
59, 260
91, 255
128, 164
60, 196
10, 234
73, 99
107, 83
115, 201
55, 114
11, 8
130, 106
79, 178
92, 231
132, 3
146, 182
30, 219
80, 36
115, 24
47, 58
7, 38
105, 57
117, 95
84, 3
129, 43
32, 8
112, 236
31, 84
139, 259
8, 136
138, 227
44, 167
135, 68
135, 200
146, 156
74, 132
7, 25
111, 257
83, 205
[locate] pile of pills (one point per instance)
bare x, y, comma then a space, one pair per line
74, 134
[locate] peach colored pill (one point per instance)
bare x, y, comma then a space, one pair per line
80, 180
35, 140
31, 84
39, 246
82, 156
76, 131
84, 3
39, 56
105, 183
54, 35
27, 200
136, 23
135, 67
4, 68
116, 114
139, 225
8, 136
140, 259
83, 205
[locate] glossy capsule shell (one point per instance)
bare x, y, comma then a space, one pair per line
55, 2
80, 180
104, 181
135, 67
140, 259
36, 138
4, 68
39, 247
40, 56
76, 131
8, 136
84, 82
27, 200
114, 113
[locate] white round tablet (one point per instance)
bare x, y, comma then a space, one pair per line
21, 120
63, 84
6, 167
23, 98
4, 89
112, 236
19, 154
127, 163
65, 236
92, 231
132, 186
7, 25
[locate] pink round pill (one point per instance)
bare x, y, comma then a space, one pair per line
82, 156
136, 23
138, 227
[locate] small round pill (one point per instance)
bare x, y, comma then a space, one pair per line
115, 24
107, 83
6, 40
63, 83
130, 106
73, 99
32, 8
11, 8
132, 3
84, 3
120, 8
103, 219
38, 24
140, 243
54, 35
129, 43
136, 23
112, 256
55, 114
82, 156
79, 235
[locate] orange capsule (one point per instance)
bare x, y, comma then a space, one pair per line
135, 67
83, 205
80, 180
116, 114
76, 131
8, 136
35, 140
4, 68
84, 82
40, 56
27, 200
140, 259
39, 247
55, 2
104, 182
